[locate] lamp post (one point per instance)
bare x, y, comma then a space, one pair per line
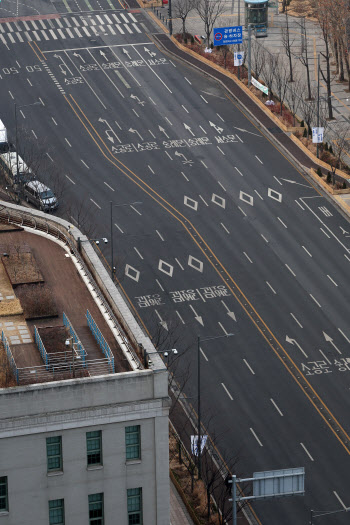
318, 101
111, 207
19, 107
326, 513
70, 342
199, 340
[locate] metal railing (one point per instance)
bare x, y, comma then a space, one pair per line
96, 332
41, 347
9, 355
79, 347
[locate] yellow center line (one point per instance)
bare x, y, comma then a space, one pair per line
211, 258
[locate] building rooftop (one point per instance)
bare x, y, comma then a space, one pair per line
51, 323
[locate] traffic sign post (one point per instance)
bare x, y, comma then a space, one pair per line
225, 36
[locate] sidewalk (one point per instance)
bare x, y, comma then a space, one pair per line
178, 511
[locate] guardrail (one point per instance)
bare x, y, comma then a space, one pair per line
96, 332
19, 218
9, 355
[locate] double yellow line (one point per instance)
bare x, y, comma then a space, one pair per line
224, 275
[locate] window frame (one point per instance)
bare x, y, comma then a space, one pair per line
61, 507
93, 520
134, 512
54, 456
5, 497
90, 453
130, 446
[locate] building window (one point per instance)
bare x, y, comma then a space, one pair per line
4, 503
56, 512
134, 506
54, 453
94, 447
96, 509
133, 442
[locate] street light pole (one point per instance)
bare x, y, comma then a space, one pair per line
239, 46
318, 101
16, 128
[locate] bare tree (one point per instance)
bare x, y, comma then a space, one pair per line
181, 8
258, 56
308, 110
340, 145
281, 76
294, 95
209, 11
324, 17
303, 56
268, 70
287, 44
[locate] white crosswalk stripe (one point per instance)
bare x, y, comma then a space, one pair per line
68, 26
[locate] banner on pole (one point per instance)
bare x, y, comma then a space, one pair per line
317, 135
262, 88
238, 58
194, 444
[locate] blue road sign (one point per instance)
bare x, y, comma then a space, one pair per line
227, 35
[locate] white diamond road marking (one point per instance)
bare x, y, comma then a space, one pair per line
166, 268
218, 200
191, 203
196, 264
132, 273
248, 199
275, 195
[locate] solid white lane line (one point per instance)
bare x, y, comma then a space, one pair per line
179, 316
11, 95
159, 235
204, 164
281, 222
226, 230
256, 437
298, 203
160, 286
69, 144
203, 99
291, 271
296, 320
34, 134
220, 150
223, 187
178, 262
220, 117
346, 257
227, 392
338, 498
99, 207
70, 180
21, 112
326, 234
276, 407
108, 186
248, 258
182, 173
258, 194
258, 159
307, 452
150, 169
166, 118
200, 196
205, 133
188, 81
264, 237
326, 358
307, 251
168, 154
138, 253
185, 109
269, 285
203, 354
48, 154
134, 110
330, 278
151, 99
241, 174
244, 213
249, 367
85, 164
54, 121
342, 333
312, 297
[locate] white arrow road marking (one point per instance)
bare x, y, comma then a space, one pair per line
135, 131
126, 53
294, 342
229, 313
162, 130
78, 55
329, 339
151, 54
162, 323
217, 128
188, 129
196, 316
298, 183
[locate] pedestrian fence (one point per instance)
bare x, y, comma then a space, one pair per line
100, 339
9, 355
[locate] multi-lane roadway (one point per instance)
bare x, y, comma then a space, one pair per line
228, 237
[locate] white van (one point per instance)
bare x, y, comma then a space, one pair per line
40, 195
4, 146
8, 161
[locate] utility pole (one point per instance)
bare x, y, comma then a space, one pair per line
170, 19
239, 45
199, 406
318, 101
249, 54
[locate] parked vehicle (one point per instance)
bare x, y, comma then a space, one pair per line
8, 161
4, 146
40, 195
